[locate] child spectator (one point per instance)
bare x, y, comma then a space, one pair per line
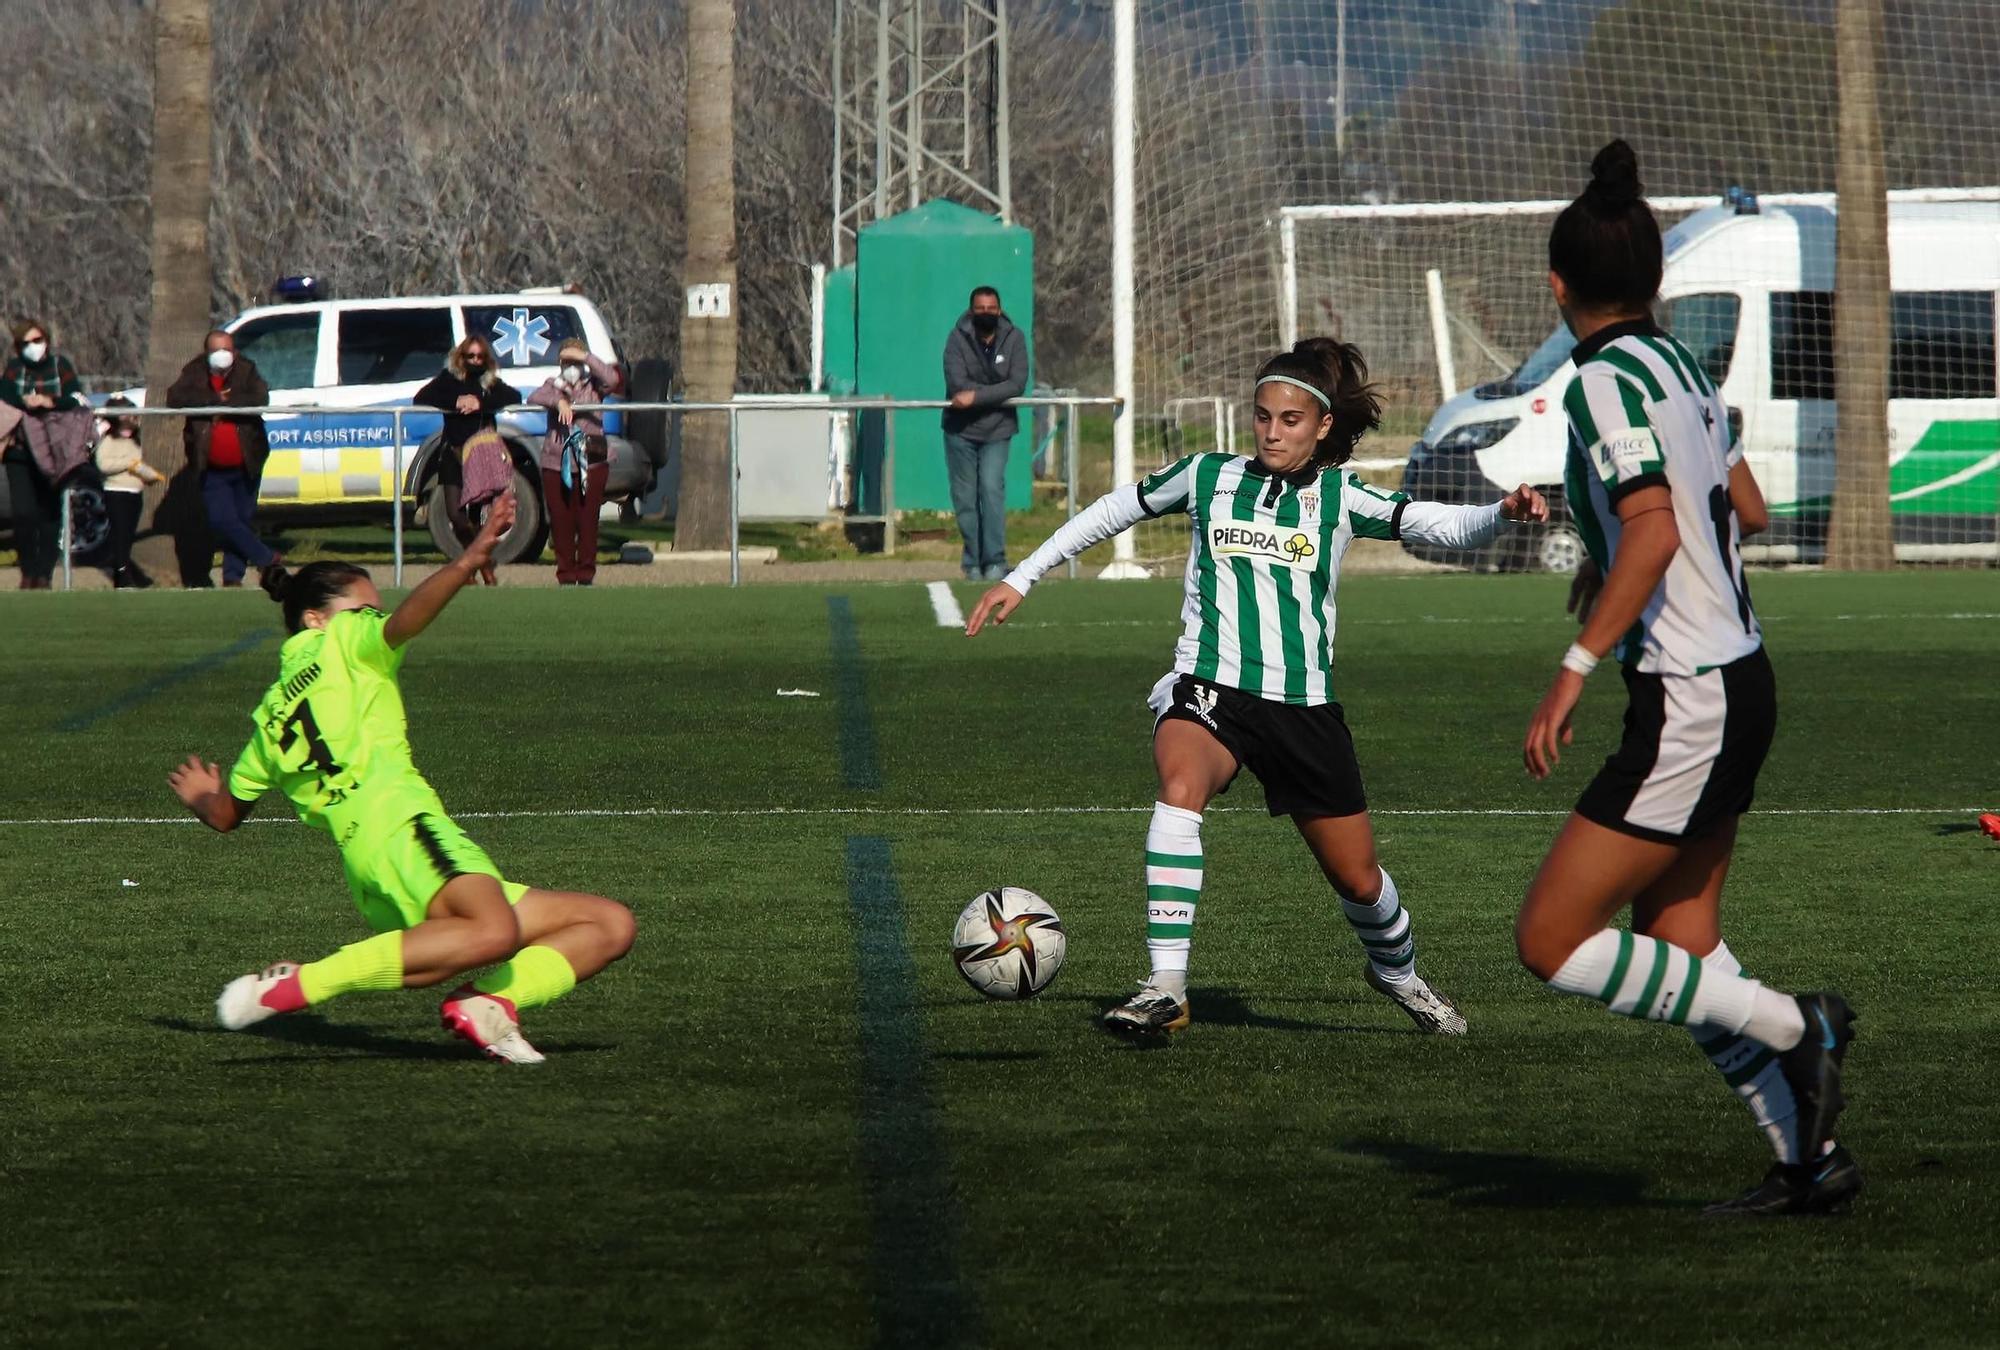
126, 474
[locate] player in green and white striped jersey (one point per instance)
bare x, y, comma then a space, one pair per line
1252, 681
1658, 486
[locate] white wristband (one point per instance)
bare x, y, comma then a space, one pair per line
1579, 660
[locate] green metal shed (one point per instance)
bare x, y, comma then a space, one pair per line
913, 275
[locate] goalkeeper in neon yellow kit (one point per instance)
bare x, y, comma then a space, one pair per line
330, 735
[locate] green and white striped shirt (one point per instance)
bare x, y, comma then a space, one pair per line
1263, 563
1643, 413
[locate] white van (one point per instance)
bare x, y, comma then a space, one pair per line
366, 354
1749, 289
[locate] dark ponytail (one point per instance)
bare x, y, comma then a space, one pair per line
314, 586
1338, 371
1606, 244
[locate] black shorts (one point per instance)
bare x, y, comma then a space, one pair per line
1692, 748
1303, 756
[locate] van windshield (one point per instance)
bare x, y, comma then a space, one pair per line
1534, 372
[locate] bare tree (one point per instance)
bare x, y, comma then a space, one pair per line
708, 345
1859, 536
182, 129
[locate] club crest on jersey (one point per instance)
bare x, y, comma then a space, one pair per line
1241, 539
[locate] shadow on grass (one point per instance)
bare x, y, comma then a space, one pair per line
987, 1056
1227, 1008
1481, 1180
1957, 827
308, 1031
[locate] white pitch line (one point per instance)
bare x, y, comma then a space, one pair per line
945, 605
1423, 620
729, 812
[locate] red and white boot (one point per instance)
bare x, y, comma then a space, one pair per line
249, 999
489, 1022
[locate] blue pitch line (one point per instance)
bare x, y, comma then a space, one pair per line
921, 1301
857, 727
164, 681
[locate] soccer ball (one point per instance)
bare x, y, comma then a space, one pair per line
1008, 943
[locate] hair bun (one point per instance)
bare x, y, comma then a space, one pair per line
277, 583
1614, 178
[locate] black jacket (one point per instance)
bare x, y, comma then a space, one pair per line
995, 374
443, 393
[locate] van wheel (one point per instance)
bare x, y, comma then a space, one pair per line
522, 543
652, 382
89, 523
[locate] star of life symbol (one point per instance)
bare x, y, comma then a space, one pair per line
521, 338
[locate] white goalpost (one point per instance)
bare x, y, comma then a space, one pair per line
1124, 134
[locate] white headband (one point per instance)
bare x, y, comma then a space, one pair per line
1324, 401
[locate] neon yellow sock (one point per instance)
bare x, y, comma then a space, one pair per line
535, 976
372, 963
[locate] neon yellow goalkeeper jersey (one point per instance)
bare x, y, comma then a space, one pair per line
331, 734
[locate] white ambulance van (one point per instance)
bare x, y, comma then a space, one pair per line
362, 355
1749, 289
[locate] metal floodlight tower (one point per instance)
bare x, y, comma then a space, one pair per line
920, 107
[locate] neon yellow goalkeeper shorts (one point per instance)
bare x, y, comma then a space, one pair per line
394, 879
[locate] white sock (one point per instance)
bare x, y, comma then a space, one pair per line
1383, 926
1643, 977
1752, 1071
1173, 885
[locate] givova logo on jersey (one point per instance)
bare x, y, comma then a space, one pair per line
1247, 539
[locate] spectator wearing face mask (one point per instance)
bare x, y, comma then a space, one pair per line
37, 380
985, 364
575, 459
470, 394
227, 452
126, 474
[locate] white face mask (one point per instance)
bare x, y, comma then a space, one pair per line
573, 373
221, 360
34, 352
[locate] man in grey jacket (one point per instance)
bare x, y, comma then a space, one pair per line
985, 364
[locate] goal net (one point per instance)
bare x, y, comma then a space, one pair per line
1387, 173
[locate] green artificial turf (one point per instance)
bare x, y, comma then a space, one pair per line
784, 1121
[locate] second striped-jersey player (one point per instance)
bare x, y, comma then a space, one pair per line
1657, 485
1264, 552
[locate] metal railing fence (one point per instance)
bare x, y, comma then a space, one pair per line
853, 408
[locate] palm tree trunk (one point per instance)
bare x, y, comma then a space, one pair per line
708, 344
1859, 535
182, 129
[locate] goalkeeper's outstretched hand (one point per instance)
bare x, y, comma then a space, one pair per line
996, 604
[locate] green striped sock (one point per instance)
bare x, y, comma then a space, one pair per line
1173, 885
1383, 926
1645, 978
